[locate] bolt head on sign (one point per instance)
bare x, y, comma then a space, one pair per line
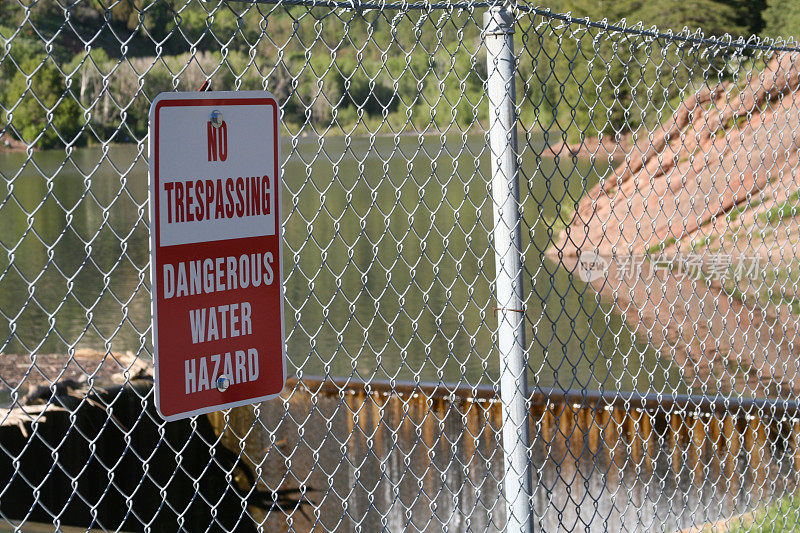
215, 251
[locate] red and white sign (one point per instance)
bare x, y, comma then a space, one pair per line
215, 251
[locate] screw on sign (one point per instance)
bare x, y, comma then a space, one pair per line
215, 251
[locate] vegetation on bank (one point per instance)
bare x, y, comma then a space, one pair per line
91, 75
781, 516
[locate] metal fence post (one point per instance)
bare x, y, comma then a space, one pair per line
499, 28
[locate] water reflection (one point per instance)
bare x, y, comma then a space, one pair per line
408, 460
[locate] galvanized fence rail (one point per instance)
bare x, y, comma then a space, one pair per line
541, 272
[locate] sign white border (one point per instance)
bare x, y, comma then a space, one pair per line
210, 95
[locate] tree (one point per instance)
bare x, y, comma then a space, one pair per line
712, 16
782, 18
44, 111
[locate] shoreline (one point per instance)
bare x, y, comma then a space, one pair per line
10, 144
592, 147
589, 148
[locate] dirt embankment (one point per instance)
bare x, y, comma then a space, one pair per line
592, 147
702, 186
10, 144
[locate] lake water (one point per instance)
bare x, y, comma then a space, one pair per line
387, 263
388, 268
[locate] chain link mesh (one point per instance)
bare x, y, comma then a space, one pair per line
659, 222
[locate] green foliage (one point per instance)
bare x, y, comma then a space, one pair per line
21, 49
782, 516
44, 112
356, 69
749, 15
782, 18
598, 83
788, 209
714, 17
374, 97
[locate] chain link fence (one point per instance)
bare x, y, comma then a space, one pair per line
540, 272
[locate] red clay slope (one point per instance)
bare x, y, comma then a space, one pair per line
689, 173
723, 150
